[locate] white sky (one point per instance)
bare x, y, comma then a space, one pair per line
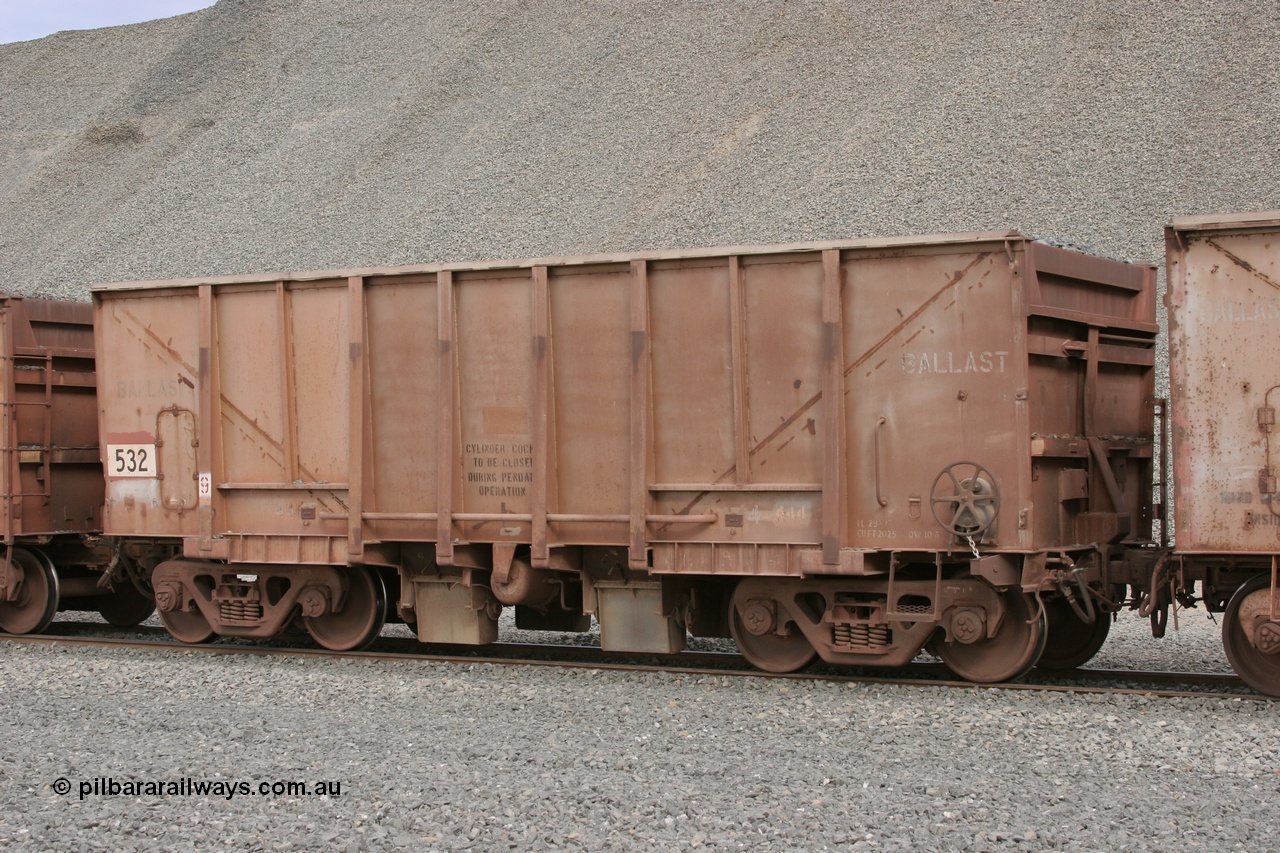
21, 20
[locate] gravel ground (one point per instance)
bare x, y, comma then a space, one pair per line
457, 756
436, 756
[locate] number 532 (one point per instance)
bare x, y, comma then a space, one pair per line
131, 460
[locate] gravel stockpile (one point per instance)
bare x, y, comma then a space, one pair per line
301, 135
495, 758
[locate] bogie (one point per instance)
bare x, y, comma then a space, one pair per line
982, 634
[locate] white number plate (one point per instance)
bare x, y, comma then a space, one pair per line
131, 460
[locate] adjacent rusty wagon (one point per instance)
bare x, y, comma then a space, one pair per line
1224, 314
51, 487
843, 449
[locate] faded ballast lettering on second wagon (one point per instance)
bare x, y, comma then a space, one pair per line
987, 361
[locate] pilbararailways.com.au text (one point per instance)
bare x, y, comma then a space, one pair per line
110, 786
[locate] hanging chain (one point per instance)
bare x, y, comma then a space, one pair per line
973, 546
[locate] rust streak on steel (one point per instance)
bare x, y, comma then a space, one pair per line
543, 402
207, 395
867, 354
1244, 265
177, 357
833, 499
226, 405
446, 413
356, 418
640, 410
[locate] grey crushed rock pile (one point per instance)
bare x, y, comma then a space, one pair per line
274, 135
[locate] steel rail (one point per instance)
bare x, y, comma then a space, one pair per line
1163, 684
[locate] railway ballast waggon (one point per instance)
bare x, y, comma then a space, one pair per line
51, 483
848, 451
1224, 360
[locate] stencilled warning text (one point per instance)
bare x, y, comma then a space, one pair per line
499, 469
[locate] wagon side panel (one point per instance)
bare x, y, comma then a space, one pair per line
404, 405
933, 370
280, 404
1224, 312
589, 424
148, 371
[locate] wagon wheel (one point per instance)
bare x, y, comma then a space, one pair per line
1014, 649
1247, 612
1071, 642
755, 620
965, 499
38, 596
126, 606
189, 626
362, 616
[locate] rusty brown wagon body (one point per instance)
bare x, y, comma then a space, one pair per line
649, 438
1224, 315
51, 489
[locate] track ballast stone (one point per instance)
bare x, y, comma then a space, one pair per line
484, 757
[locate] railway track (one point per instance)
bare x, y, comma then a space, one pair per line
921, 674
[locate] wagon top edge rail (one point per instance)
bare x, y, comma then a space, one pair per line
863, 243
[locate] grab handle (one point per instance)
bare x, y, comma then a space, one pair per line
880, 500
